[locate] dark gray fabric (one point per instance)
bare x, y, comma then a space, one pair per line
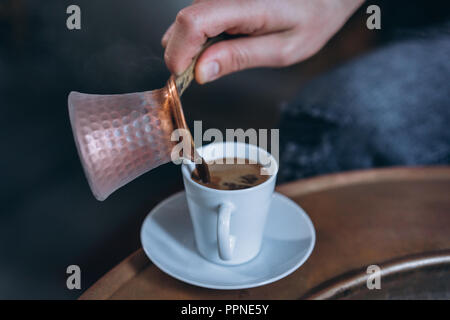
391, 107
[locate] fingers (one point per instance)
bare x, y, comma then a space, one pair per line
276, 50
169, 31
167, 35
279, 33
196, 23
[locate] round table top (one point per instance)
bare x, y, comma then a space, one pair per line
395, 217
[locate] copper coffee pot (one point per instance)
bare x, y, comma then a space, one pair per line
120, 137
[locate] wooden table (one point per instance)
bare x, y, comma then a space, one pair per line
397, 218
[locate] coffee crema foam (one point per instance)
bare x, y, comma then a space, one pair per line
232, 174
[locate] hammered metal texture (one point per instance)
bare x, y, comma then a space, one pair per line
120, 137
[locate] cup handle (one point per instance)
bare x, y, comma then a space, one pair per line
225, 241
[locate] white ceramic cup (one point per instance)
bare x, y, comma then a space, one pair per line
229, 224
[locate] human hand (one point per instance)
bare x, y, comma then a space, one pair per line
278, 33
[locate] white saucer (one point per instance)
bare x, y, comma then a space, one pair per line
168, 240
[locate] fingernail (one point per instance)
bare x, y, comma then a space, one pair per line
209, 71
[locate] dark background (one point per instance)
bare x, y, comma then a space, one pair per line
49, 219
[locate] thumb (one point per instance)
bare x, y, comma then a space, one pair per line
273, 50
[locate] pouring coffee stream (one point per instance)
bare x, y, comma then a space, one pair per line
122, 136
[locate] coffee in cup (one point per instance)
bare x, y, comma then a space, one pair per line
232, 174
